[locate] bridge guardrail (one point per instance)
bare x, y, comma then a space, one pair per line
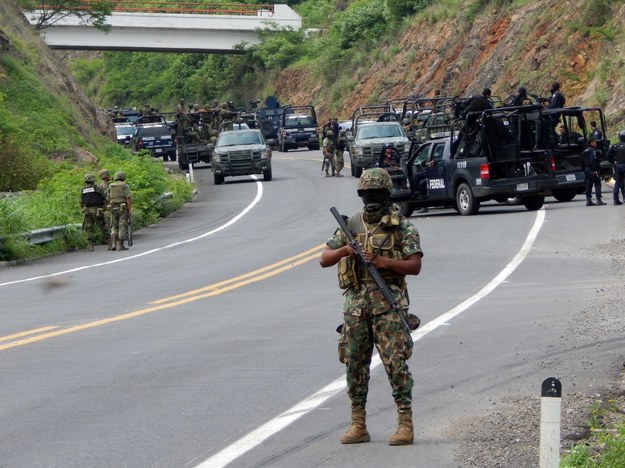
184, 8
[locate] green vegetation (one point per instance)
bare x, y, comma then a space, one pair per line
605, 446
39, 167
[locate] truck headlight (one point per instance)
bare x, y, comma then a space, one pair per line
265, 154
216, 157
357, 150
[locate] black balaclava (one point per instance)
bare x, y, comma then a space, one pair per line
376, 204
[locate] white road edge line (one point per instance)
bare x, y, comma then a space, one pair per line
259, 195
256, 437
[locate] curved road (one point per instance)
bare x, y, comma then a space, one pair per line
211, 342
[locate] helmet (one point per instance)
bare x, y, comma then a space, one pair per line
89, 178
621, 135
119, 175
329, 133
406, 120
104, 174
343, 132
375, 179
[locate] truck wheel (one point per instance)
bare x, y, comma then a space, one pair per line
534, 203
564, 195
467, 204
172, 157
183, 166
218, 178
357, 171
284, 148
267, 176
405, 208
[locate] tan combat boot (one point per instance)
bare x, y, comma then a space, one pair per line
357, 432
121, 246
405, 432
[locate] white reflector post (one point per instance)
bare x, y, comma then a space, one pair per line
550, 404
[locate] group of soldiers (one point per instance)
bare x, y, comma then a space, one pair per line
202, 124
333, 146
107, 205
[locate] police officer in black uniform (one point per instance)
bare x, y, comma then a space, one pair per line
591, 167
616, 153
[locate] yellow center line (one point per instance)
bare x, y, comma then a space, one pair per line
180, 299
236, 279
25, 333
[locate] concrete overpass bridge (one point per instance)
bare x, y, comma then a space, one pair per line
203, 28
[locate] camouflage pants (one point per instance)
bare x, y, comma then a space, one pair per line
340, 162
119, 222
394, 345
329, 162
94, 216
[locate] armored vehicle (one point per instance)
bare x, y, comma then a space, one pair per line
490, 155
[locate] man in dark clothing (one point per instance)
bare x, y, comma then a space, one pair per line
521, 99
595, 131
557, 98
591, 167
479, 102
616, 153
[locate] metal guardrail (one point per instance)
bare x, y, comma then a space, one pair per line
44, 235
178, 7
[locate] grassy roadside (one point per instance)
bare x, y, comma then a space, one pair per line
56, 201
604, 445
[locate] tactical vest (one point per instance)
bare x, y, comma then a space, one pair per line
619, 153
385, 239
91, 197
117, 192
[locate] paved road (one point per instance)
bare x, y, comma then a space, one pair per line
212, 340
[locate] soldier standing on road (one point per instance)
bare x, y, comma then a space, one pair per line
92, 204
591, 167
120, 197
392, 244
328, 153
105, 180
616, 153
339, 149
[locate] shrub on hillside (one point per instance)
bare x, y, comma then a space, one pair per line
20, 169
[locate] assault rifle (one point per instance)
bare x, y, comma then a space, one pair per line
129, 232
371, 269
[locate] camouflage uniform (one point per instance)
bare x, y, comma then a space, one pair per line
120, 205
368, 320
328, 154
106, 213
92, 205
339, 148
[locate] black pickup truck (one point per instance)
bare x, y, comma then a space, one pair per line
490, 155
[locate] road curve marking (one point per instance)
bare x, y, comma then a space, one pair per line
172, 301
233, 451
247, 209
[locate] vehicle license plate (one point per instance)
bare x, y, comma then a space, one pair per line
159, 150
521, 187
570, 178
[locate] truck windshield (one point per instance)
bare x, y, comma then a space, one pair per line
379, 131
240, 138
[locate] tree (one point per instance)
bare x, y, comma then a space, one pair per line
48, 12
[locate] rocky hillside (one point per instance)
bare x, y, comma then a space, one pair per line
503, 48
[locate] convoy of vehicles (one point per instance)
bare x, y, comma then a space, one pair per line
447, 159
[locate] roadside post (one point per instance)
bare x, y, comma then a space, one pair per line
550, 404
190, 176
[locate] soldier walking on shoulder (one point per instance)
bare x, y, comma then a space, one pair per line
392, 244
328, 153
120, 197
339, 149
92, 205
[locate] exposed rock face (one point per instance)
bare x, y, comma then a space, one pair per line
530, 46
